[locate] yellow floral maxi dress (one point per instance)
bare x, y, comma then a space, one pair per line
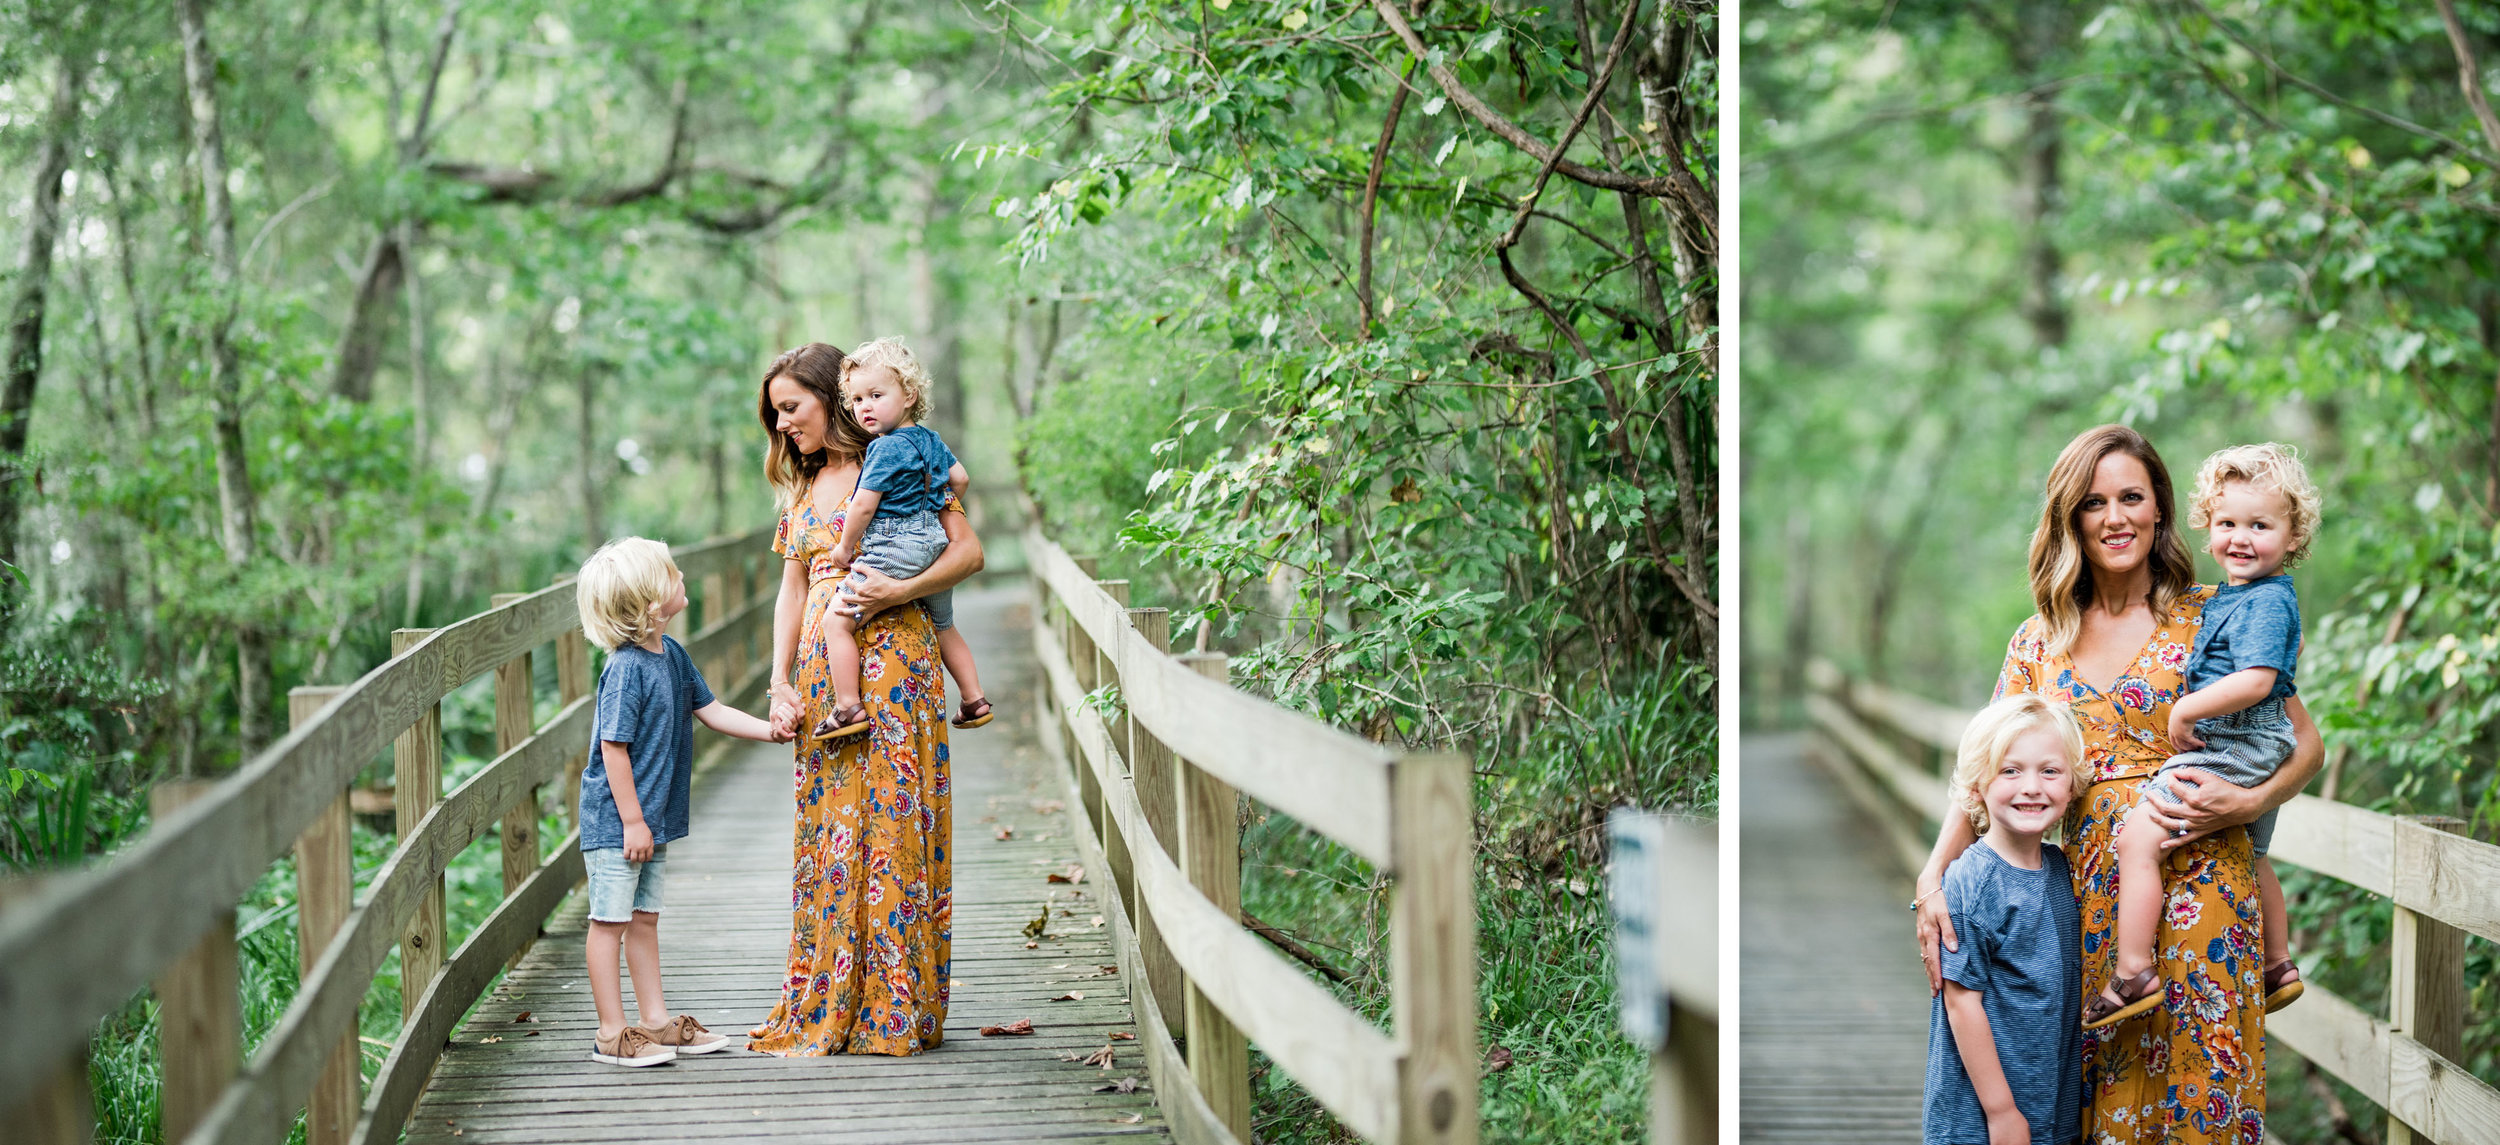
2194, 1069
871, 878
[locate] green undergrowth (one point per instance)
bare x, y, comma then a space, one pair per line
125, 1069
1544, 938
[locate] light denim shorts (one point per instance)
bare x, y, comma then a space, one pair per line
619, 888
904, 547
2245, 748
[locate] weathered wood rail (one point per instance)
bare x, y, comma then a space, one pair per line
2443, 887
1155, 748
161, 912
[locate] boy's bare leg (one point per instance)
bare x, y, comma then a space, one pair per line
602, 945
957, 654
642, 958
2139, 889
2278, 928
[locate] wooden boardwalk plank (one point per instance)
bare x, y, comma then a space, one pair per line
723, 936
1835, 1003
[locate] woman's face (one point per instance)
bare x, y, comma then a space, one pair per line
2118, 517
803, 416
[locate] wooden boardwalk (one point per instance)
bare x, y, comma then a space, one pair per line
1835, 1003
723, 936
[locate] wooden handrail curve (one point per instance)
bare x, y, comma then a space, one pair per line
1333, 781
2449, 881
74, 950
1148, 741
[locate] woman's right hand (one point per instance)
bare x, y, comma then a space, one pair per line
1935, 932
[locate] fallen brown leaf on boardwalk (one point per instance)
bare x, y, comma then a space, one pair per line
1100, 1057
1122, 1036
1497, 1059
1031, 945
490, 1038
1110, 969
1098, 920
1017, 1028
1071, 996
1040, 925
1006, 833
1131, 1119
1048, 806
1124, 1085
525, 1017
1075, 874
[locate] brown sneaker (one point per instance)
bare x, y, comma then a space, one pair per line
632, 1046
686, 1036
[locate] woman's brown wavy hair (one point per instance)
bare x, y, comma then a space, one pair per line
2061, 577
817, 368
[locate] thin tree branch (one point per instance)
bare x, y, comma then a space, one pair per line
1597, 91
2398, 122
2469, 75
1371, 198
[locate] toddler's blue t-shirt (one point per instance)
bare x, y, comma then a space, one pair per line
647, 702
2253, 625
909, 466
2021, 935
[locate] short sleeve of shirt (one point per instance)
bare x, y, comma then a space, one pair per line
623, 687
782, 532
1969, 965
2016, 676
2264, 632
888, 462
685, 663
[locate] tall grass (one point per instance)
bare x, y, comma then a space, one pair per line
1544, 939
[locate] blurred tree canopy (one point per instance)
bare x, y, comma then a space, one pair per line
1976, 230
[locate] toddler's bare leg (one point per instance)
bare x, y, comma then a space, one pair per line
957, 653
642, 958
2139, 888
842, 651
2277, 927
601, 944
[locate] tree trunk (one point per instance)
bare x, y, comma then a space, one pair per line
594, 520
360, 341
237, 510
128, 259
24, 364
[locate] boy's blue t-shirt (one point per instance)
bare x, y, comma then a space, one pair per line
909, 466
2253, 625
647, 702
2021, 935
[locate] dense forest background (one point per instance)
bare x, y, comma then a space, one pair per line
1974, 230
1377, 340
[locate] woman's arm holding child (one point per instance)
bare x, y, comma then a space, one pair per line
1978, 1046
2208, 804
620, 768
1934, 916
730, 721
789, 609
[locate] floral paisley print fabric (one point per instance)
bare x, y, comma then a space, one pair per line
871, 878
2191, 1072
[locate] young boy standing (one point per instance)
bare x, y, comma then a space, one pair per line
2004, 1055
636, 789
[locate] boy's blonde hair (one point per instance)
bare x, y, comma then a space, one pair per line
1992, 733
893, 355
621, 589
2271, 465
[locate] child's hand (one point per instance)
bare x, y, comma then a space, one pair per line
2183, 732
2008, 1128
637, 842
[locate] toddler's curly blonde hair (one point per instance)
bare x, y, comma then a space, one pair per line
893, 355
2271, 465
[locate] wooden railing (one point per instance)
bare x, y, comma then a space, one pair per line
2444, 886
1156, 746
161, 912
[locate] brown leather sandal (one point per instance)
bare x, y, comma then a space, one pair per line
2123, 998
2282, 985
967, 718
843, 722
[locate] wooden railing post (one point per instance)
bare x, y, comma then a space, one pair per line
1208, 832
1080, 648
515, 719
1103, 670
2426, 961
417, 760
60, 1111
325, 889
1432, 948
199, 1033
1150, 764
572, 683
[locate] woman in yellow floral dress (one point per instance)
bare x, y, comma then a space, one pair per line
2117, 601
871, 879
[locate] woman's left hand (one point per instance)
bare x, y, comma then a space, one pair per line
2206, 804
870, 592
